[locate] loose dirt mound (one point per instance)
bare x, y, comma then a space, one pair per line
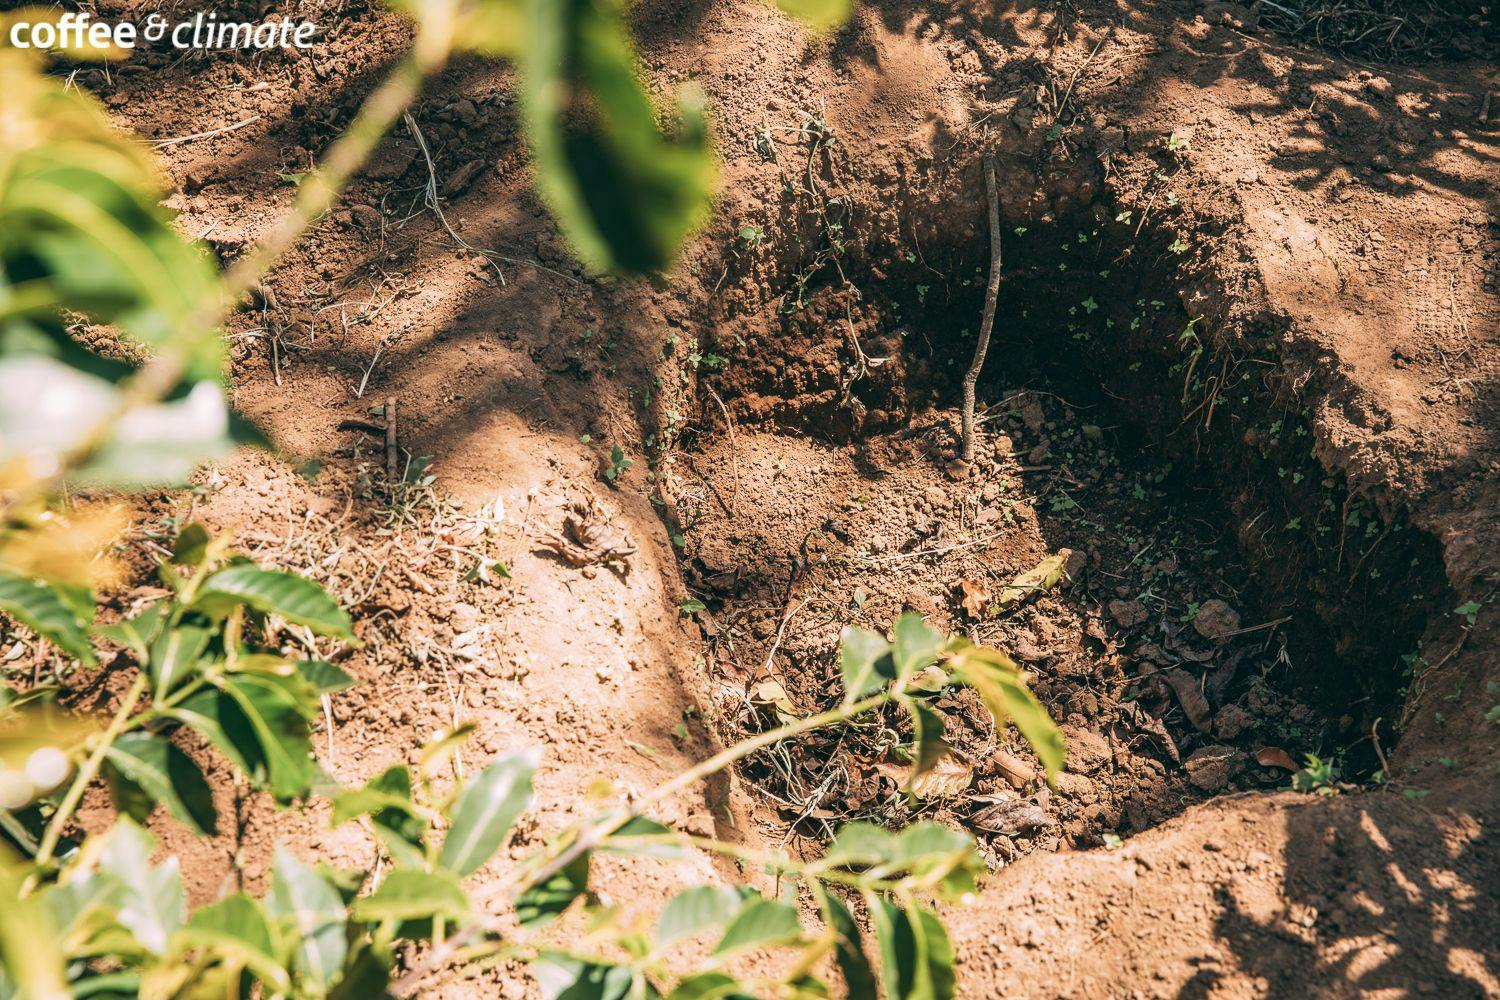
1245, 369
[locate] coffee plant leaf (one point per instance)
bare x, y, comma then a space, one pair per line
144, 770
315, 913
274, 592
485, 810
43, 609
625, 195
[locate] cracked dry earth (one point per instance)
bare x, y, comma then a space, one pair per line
1244, 374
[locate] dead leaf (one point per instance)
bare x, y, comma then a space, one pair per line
1008, 815
1151, 726
589, 537
1275, 757
945, 779
1194, 705
771, 692
463, 177
1014, 769
976, 596
1042, 577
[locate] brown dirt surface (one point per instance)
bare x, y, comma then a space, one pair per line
1244, 370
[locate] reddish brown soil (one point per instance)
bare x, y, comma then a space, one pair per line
1329, 232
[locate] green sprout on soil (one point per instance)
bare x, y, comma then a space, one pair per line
618, 465
1317, 776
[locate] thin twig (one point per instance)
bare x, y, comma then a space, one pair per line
986, 324
734, 455
937, 552
164, 143
435, 203
390, 439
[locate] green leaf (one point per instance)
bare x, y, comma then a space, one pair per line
366, 975
819, 15
927, 732
761, 923
439, 748
138, 633
921, 846
935, 978
409, 894
861, 845
42, 609
917, 644
109, 986
897, 949
644, 826
563, 977
999, 684
540, 903
259, 720
316, 912
388, 801
277, 711
490, 27
694, 910
151, 901
191, 545
325, 677
236, 927
154, 445
918, 851
485, 810
849, 950
31, 951
174, 655
217, 717
142, 764
923, 849
710, 986
292, 597
625, 195
866, 662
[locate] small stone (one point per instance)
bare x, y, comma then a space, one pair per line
1076, 786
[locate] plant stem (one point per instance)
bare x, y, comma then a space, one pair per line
987, 322
592, 836
89, 772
